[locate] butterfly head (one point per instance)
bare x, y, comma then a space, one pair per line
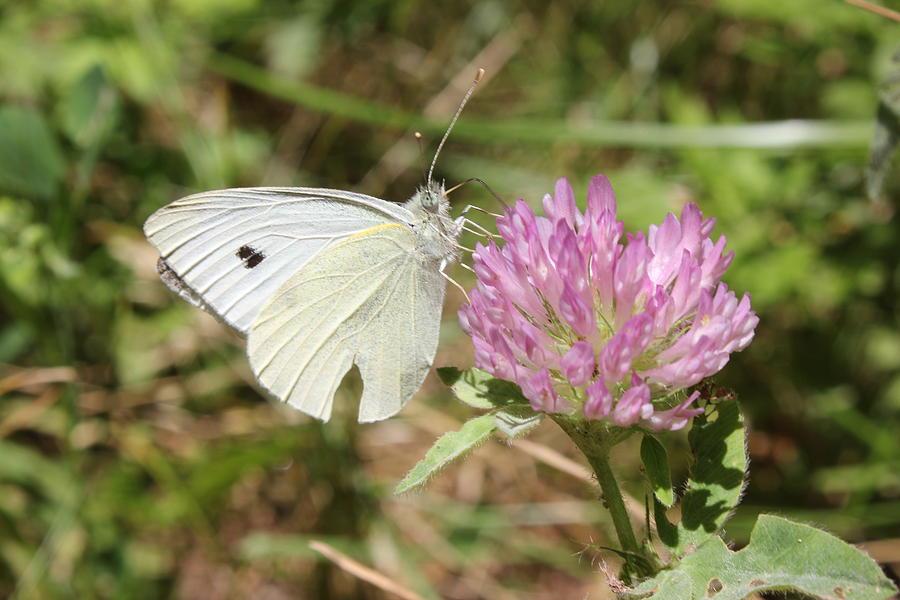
431, 196
431, 222
430, 202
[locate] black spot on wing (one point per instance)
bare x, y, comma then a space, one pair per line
250, 255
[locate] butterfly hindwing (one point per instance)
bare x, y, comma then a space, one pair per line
234, 248
370, 299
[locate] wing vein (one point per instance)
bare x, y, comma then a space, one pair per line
347, 336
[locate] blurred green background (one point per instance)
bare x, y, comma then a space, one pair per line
137, 458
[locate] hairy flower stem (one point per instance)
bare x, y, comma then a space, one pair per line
595, 439
612, 496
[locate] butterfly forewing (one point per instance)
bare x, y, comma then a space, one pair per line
234, 248
371, 300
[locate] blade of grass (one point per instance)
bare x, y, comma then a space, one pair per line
876, 9
775, 135
359, 570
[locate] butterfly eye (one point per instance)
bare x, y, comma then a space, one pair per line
429, 200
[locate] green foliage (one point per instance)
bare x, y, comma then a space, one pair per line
448, 447
513, 415
479, 389
716, 481
656, 466
510, 414
782, 556
887, 130
31, 162
89, 109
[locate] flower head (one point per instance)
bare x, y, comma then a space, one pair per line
582, 319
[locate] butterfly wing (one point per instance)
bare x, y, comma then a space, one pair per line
370, 299
228, 251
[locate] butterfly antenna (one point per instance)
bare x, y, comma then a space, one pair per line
482, 182
421, 143
478, 78
418, 136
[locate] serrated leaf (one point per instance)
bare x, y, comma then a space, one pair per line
656, 466
782, 556
516, 422
446, 449
718, 445
31, 162
479, 389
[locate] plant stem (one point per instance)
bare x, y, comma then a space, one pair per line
595, 440
612, 498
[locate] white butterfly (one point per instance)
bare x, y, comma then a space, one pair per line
318, 280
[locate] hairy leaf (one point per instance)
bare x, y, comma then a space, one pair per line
716, 481
446, 449
782, 556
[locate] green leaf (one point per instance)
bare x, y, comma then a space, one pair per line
31, 163
516, 421
782, 556
668, 533
89, 108
479, 389
446, 449
887, 130
718, 445
656, 465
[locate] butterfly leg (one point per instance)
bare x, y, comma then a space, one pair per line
462, 223
477, 208
458, 286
